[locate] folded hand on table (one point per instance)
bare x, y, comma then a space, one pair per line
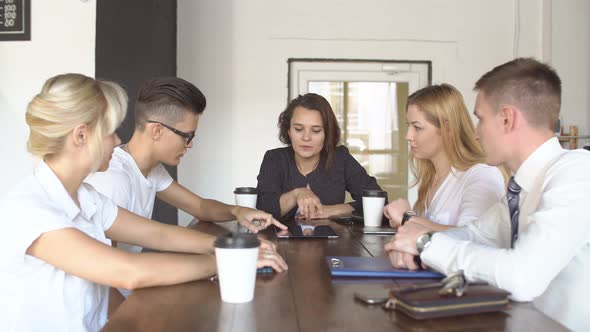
402, 246
395, 210
268, 256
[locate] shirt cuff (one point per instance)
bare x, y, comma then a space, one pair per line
447, 255
355, 207
437, 252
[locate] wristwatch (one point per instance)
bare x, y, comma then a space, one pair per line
423, 241
407, 216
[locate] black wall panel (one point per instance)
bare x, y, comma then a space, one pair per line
135, 41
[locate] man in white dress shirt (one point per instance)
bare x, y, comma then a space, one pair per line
536, 243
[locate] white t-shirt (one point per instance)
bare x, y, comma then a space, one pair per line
465, 195
34, 295
124, 183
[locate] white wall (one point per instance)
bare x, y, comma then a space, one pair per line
207, 59
570, 55
236, 52
62, 40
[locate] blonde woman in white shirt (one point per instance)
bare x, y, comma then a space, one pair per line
56, 263
454, 186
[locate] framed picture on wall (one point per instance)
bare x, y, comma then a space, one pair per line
15, 20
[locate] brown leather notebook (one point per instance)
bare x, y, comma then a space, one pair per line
428, 303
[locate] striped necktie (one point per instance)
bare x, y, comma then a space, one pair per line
513, 192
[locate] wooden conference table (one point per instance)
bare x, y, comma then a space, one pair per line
305, 298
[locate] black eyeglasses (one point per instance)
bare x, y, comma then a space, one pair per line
188, 136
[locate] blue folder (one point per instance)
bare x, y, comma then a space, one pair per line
347, 266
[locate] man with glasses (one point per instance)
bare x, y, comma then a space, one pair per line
188, 136
167, 113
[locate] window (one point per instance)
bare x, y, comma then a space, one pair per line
369, 99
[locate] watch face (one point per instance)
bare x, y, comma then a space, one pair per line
410, 213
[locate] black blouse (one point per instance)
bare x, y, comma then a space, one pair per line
279, 174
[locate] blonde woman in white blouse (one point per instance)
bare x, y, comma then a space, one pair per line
56, 262
454, 186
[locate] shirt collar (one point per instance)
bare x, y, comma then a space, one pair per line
527, 173
60, 197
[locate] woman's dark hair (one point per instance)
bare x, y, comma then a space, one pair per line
314, 102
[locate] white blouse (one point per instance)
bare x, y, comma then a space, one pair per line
465, 195
37, 296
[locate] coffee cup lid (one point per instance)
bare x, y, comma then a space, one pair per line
245, 190
374, 193
237, 241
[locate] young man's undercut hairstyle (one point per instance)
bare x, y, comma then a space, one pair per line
532, 86
167, 99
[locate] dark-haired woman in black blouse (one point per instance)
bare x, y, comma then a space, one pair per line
310, 176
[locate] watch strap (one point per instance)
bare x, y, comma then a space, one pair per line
407, 215
423, 242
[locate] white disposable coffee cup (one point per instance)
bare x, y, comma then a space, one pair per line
246, 196
373, 203
236, 255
